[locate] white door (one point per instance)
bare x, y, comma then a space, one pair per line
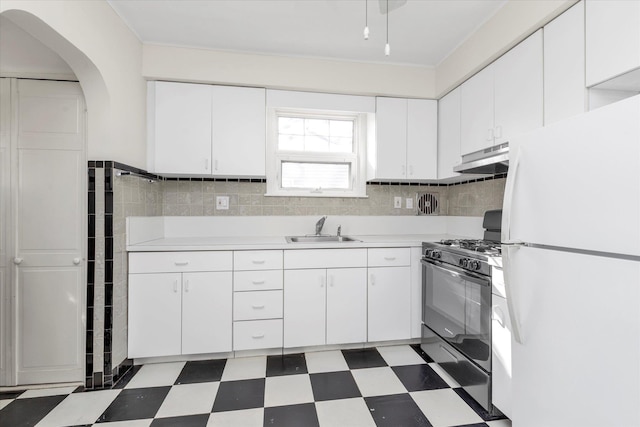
389, 303
6, 372
49, 198
206, 312
304, 307
346, 305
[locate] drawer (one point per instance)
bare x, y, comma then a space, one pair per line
325, 258
170, 262
257, 334
257, 260
257, 305
260, 280
389, 257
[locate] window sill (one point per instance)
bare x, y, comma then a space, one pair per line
326, 194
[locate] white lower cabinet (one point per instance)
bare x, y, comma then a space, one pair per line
179, 313
257, 334
389, 303
346, 305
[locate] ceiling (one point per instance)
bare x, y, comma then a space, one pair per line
421, 32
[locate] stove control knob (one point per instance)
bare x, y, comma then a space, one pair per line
436, 254
474, 265
427, 253
465, 262
461, 262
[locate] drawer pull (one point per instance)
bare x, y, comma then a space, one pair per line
258, 261
258, 306
257, 336
258, 282
390, 258
175, 286
181, 263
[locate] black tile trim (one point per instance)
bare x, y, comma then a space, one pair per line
91, 233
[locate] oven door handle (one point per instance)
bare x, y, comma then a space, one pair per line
464, 275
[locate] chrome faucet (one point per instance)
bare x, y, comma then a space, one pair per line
319, 225
339, 233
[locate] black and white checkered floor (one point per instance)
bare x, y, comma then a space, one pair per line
384, 386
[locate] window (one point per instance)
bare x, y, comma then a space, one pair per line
315, 153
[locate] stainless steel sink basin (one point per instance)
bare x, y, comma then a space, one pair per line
320, 239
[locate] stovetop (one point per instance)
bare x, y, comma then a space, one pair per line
472, 255
486, 247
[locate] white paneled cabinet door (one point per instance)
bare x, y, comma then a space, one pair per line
49, 207
304, 307
391, 138
346, 305
476, 112
206, 312
519, 90
179, 128
6, 372
239, 131
155, 314
389, 303
422, 139
449, 134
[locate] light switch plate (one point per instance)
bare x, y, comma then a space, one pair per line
222, 203
409, 203
397, 202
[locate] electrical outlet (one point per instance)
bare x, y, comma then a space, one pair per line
222, 203
409, 203
397, 202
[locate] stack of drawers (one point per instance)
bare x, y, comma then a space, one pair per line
257, 299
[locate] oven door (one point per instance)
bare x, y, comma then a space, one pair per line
456, 305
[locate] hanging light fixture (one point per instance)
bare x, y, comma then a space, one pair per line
387, 48
366, 20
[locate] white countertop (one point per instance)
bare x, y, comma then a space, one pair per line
279, 242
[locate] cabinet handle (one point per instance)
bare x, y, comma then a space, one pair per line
404, 170
257, 336
490, 135
17, 261
206, 164
181, 263
372, 279
186, 286
321, 281
331, 281
410, 169
258, 282
175, 286
258, 306
258, 261
390, 258
498, 131
215, 164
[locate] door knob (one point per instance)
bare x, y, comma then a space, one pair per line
76, 261
17, 261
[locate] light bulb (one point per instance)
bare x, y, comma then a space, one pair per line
366, 33
387, 49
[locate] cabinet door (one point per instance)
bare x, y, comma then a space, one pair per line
346, 305
476, 112
564, 87
422, 139
519, 89
389, 303
391, 138
612, 39
449, 134
239, 131
154, 315
179, 128
304, 307
206, 312
501, 354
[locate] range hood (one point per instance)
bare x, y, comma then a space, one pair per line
493, 160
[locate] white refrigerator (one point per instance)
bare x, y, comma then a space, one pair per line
571, 256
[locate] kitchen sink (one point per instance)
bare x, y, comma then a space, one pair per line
320, 239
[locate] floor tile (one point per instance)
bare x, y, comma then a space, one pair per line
363, 358
201, 371
398, 355
344, 412
444, 375
128, 376
156, 375
131, 423
235, 395
5, 402
334, 385
287, 364
245, 368
27, 412
291, 416
445, 408
79, 408
287, 390
325, 361
377, 381
476, 406
199, 420
10, 395
135, 404
419, 377
499, 423
245, 418
396, 410
56, 391
188, 399
421, 353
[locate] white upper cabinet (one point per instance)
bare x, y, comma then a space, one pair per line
504, 99
405, 146
612, 40
205, 130
449, 134
565, 92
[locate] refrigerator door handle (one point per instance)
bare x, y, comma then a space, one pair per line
516, 330
508, 197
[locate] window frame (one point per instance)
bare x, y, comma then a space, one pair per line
356, 159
